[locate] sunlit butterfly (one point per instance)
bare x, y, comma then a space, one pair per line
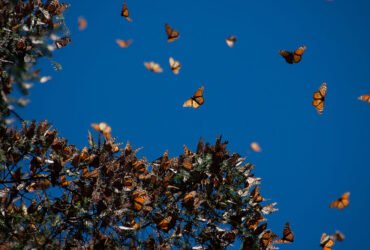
341, 202
125, 13
255, 147
82, 23
230, 41
124, 43
196, 100
288, 236
172, 34
154, 67
326, 242
175, 66
319, 98
62, 42
365, 98
293, 57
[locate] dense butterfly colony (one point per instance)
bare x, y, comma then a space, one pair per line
53, 195
28, 31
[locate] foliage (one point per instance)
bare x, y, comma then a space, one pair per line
28, 31
54, 195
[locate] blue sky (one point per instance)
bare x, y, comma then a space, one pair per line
251, 94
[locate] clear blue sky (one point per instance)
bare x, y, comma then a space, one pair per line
251, 94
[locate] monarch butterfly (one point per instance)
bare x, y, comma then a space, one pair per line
139, 198
293, 57
123, 43
326, 242
154, 67
125, 13
256, 196
230, 41
267, 238
82, 23
319, 98
175, 66
62, 42
365, 98
338, 236
172, 34
255, 147
341, 202
288, 236
165, 224
196, 100
102, 128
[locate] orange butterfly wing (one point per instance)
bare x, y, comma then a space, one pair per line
288, 236
342, 202
297, 56
125, 13
172, 34
365, 98
196, 100
288, 56
319, 98
82, 23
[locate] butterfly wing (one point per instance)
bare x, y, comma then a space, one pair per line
123, 43
125, 12
297, 56
230, 41
171, 33
342, 202
175, 66
288, 236
196, 100
319, 98
288, 56
82, 23
364, 98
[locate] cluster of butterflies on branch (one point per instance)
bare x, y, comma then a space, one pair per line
197, 100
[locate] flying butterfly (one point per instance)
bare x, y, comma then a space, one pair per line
125, 13
230, 41
256, 147
175, 66
288, 236
293, 57
172, 34
154, 67
341, 202
339, 236
124, 43
326, 242
319, 98
62, 42
196, 100
82, 23
365, 98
